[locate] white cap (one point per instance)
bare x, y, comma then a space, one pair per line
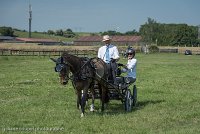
106, 37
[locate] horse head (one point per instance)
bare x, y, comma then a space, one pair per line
63, 69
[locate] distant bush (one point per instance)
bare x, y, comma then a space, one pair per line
6, 31
153, 49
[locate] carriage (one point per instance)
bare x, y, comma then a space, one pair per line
90, 80
121, 91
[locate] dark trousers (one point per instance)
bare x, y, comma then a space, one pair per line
112, 67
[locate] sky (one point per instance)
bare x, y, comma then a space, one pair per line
96, 15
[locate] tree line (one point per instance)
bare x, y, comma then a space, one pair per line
68, 33
152, 32
169, 34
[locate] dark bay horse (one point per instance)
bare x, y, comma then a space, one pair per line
85, 73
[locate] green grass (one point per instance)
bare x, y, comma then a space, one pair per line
168, 98
41, 35
24, 34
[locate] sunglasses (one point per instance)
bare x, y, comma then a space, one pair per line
130, 54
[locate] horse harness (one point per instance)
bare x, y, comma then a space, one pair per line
84, 72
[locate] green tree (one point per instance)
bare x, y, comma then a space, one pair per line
59, 32
6, 31
111, 32
50, 32
69, 33
168, 34
133, 32
148, 31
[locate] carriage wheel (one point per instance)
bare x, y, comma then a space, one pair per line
134, 96
128, 100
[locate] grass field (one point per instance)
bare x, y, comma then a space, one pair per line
33, 101
41, 35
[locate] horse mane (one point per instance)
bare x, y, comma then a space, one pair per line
70, 56
72, 59
67, 55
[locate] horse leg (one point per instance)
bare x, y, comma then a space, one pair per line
83, 101
78, 103
104, 98
102, 101
102, 94
93, 97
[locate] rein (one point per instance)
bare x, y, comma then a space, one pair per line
81, 67
78, 74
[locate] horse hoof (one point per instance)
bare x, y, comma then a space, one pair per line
91, 108
82, 115
106, 105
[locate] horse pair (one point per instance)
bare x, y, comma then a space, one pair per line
85, 73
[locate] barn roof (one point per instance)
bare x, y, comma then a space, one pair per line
114, 39
88, 38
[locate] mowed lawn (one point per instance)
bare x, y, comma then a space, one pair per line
33, 101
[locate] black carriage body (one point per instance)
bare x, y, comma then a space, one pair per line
119, 92
115, 92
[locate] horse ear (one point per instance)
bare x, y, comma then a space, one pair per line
54, 60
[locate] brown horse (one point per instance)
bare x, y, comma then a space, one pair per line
85, 73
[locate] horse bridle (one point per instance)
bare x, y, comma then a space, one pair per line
60, 65
77, 74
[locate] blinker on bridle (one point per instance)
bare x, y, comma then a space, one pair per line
59, 67
59, 64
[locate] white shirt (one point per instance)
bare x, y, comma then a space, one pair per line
131, 68
113, 52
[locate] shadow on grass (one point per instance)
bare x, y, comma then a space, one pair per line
142, 104
118, 109
28, 82
111, 109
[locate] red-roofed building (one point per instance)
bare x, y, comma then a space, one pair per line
117, 40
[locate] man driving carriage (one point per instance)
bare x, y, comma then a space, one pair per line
110, 55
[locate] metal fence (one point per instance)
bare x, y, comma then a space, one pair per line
85, 53
169, 50
10, 52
